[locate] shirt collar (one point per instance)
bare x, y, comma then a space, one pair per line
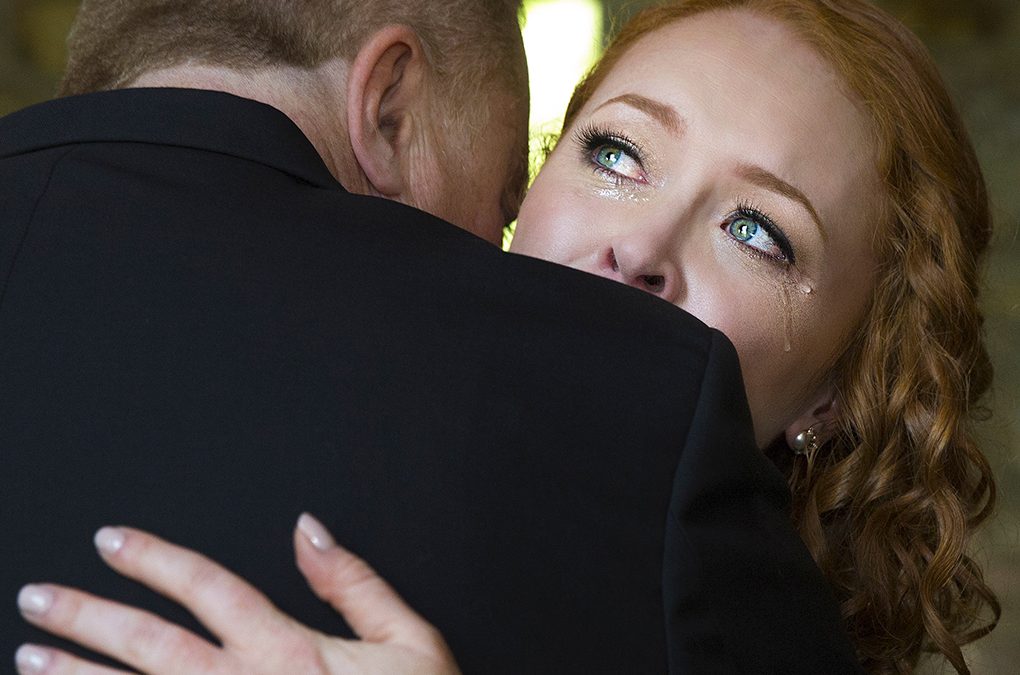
205, 120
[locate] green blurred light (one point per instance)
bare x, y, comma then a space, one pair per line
562, 39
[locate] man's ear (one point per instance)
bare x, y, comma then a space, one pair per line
820, 415
385, 84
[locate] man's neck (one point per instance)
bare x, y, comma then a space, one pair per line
312, 99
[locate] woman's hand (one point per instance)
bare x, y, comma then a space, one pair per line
256, 636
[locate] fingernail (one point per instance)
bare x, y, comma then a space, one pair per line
109, 540
315, 532
31, 660
35, 600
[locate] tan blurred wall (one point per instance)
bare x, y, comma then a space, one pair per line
977, 44
32, 49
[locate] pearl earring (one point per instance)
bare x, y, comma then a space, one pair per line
806, 442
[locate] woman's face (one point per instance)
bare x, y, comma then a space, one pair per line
721, 167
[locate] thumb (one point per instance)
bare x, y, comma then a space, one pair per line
367, 603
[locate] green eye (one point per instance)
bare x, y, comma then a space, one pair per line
613, 159
608, 156
743, 229
758, 234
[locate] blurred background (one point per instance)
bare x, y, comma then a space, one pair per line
977, 45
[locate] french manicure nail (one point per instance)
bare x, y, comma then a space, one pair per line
35, 600
315, 532
109, 540
31, 660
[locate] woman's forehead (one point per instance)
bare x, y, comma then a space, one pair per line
734, 46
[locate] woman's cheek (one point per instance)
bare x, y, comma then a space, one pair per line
552, 228
754, 328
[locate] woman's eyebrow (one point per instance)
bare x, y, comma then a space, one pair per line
664, 114
763, 178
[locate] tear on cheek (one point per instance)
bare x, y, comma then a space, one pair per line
786, 299
787, 303
622, 194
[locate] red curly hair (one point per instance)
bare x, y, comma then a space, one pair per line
887, 507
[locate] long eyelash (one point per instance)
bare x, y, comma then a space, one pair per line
591, 136
750, 211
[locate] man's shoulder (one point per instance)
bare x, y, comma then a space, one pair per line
162, 167
441, 255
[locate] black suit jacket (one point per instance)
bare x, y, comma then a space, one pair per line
203, 334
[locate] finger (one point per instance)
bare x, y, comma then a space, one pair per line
233, 610
36, 660
369, 605
136, 638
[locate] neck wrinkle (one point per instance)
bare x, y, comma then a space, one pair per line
314, 99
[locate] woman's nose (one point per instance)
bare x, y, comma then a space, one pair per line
636, 267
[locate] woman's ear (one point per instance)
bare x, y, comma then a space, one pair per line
819, 417
385, 85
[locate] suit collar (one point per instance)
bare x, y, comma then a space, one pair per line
205, 120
